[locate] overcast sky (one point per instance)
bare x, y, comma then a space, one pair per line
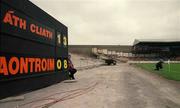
115, 22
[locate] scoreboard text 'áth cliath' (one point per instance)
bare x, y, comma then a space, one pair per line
14, 20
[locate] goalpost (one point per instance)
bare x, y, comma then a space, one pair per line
169, 67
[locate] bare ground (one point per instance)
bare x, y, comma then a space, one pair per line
124, 86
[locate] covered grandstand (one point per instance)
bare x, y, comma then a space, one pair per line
156, 49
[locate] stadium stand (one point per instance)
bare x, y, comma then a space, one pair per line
156, 49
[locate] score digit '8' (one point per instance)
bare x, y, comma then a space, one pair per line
65, 64
62, 63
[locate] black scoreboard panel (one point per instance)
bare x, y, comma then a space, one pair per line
33, 48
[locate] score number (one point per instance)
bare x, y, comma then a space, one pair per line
62, 63
64, 40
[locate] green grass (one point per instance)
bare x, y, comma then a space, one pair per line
173, 74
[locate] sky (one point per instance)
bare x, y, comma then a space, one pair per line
115, 22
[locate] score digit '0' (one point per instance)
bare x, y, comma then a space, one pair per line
59, 64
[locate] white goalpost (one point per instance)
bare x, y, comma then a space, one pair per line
169, 65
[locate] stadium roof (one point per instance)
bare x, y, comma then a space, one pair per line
137, 41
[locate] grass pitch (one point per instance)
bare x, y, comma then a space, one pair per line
170, 72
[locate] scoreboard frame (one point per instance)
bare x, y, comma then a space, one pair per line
33, 48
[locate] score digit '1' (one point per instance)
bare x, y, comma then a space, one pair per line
59, 38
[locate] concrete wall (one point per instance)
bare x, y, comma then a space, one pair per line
87, 49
